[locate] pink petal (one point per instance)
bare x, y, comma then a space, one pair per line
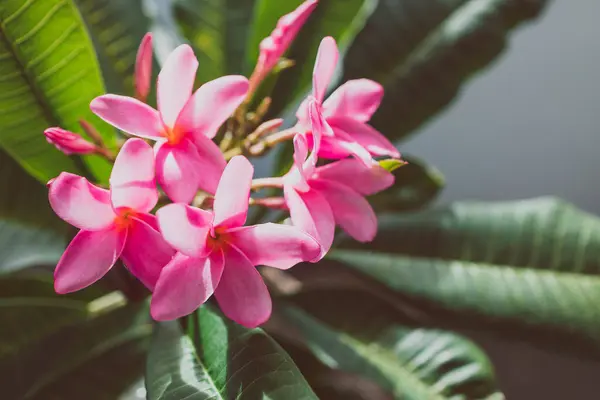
231, 200
179, 170
146, 252
185, 228
297, 177
356, 176
184, 285
357, 99
350, 210
129, 115
343, 145
132, 182
275, 245
80, 203
366, 136
311, 213
212, 163
242, 294
143, 67
212, 104
175, 83
88, 258
327, 57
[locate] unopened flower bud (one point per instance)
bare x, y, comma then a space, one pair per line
69, 142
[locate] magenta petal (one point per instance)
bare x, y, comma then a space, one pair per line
212, 163
212, 104
275, 245
80, 203
231, 200
88, 258
327, 57
179, 170
146, 252
132, 182
311, 212
242, 294
350, 210
129, 115
356, 99
366, 136
175, 83
354, 174
185, 228
184, 285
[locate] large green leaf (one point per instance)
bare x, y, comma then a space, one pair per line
48, 76
219, 359
424, 50
534, 263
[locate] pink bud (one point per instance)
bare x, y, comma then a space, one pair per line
143, 68
69, 142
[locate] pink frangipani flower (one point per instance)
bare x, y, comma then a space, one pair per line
143, 68
186, 157
321, 197
217, 254
347, 111
275, 45
69, 142
113, 224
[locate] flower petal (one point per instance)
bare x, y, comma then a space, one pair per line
88, 258
275, 245
143, 67
146, 252
366, 136
132, 182
231, 200
175, 83
129, 115
311, 213
327, 57
184, 285
178, 170
357, 99
211, 162
350, 210
185, 228
357, 176
212, 104
242, 294
80, 203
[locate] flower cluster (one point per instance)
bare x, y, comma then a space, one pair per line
199, 245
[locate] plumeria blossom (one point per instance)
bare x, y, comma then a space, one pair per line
321, 197
217, 254
275, 45
143, 68
69, 142
346, 111
113, 223
186, 157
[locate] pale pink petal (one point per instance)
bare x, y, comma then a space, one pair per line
231, 200
143, 67
297, 177
88, 258
327, 57
350, 210
212, 163
175, 83
356, 99
179, 170
242, 294
80, 203
311, 213
184, 285
146, 252
275, 245
132, 182
354, 174
185, 228
129, 115
302, 115
366, 136
211, 105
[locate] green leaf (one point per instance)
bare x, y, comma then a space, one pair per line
217, 29
219, 359
391, 164
533, 263
352, 331
116, 28
423, 51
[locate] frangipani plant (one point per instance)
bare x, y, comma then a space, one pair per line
366, 294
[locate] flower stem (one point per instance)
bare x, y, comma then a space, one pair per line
261, 183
